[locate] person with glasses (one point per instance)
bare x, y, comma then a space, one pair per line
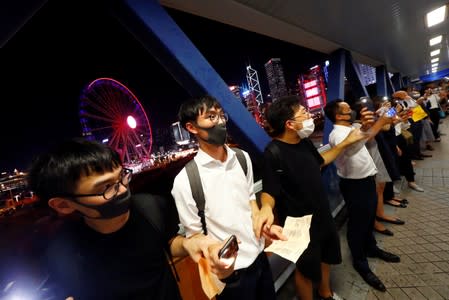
118, 248
292, 183
230, 202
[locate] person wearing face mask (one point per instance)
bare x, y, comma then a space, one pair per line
292, 183
118, 247
357, 171
230, 201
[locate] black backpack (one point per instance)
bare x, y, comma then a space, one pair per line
197, 189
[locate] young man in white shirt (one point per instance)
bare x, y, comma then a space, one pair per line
230, 202
357, 171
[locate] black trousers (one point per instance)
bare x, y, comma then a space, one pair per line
405, 161
252, 283
361, 198
416, 130
435, 117
388, 191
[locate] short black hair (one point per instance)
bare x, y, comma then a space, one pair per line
332, 108
192, 108
278, 113
58, 171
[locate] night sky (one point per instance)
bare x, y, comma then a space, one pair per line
87, 44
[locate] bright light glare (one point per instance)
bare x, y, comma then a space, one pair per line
435, 65
435, 40
20, 296
131, 122
435, 52
436, 16
434, 60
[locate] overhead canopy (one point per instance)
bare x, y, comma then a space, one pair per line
391, 33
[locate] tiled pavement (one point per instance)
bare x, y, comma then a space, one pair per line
422, 243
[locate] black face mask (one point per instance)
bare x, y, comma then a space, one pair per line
113, 208
215, 135
353, 115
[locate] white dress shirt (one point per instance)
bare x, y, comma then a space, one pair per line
355, 162
227, 209
433, 99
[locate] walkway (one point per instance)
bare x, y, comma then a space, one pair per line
422, 243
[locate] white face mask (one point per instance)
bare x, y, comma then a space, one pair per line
308, 126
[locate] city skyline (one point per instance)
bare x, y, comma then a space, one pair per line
44, 109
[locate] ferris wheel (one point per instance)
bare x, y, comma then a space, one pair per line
110, 113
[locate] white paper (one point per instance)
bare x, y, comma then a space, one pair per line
297, 232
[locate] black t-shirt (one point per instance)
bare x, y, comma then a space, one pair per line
127, 264
293, 178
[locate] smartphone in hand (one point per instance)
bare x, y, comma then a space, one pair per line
391, 112
230, 248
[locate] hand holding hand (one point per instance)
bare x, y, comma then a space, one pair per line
355, 135
273, 232
263, 218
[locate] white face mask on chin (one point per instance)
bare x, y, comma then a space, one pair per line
308, 126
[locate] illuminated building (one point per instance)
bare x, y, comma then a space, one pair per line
182, 136
253, 107
235, 89
276, 79
368, 74
313, 89
253, 83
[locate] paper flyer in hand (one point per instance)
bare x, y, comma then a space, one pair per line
297, 232
210, 283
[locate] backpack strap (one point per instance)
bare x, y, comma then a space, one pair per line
197, 191
241, 159
273, 148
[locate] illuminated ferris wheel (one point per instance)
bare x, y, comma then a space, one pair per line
110, 113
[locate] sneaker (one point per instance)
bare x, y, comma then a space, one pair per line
336, 297
333, 297
415, 187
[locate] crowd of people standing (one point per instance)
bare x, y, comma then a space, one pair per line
119, 246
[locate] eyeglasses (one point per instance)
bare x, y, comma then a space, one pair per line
306, 116
111, 190
215, 117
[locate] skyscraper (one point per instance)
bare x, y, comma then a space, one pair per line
368, 74
253, 83
276, 79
